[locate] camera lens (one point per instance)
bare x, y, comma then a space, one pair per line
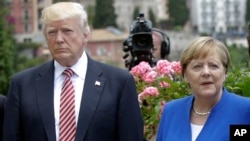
142, 40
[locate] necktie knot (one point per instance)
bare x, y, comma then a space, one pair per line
68, 73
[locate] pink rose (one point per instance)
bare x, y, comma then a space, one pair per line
151, 91
150, 77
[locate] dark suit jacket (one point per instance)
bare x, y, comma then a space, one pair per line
108, 112
2, 107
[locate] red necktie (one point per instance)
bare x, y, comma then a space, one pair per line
67, 123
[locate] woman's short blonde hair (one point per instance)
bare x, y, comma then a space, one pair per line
65, 10
200, 48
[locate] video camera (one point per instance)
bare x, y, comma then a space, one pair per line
139, 44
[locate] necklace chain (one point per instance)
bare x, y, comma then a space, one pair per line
200, 114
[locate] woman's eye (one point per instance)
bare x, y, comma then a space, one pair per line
214, 66
197, 66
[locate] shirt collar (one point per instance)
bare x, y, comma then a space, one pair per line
79, 68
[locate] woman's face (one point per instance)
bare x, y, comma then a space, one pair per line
206, 75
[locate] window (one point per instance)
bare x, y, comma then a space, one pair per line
8, 2
101, 51
26, 15
27, 40
26, 27
40, 26
203, 4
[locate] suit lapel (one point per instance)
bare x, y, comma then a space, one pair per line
45, 97
90, 98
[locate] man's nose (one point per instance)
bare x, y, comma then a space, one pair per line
59, 37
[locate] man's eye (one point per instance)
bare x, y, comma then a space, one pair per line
52, 32
68, 31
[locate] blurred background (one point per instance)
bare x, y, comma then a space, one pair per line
22, 44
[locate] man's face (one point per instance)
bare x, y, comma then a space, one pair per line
157, 45
65, 40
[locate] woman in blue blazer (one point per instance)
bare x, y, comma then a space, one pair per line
207, 114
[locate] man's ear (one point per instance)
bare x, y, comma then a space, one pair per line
86, 37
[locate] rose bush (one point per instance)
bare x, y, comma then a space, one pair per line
159, 84
155, 86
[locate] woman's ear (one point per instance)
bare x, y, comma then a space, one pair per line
225, 77
185, 78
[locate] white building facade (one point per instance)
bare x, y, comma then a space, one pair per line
218, 16
125, 9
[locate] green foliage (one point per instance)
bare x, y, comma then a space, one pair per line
239, 55
11, 62
178, 12
204, 34
248, 11
152, 17
6, 49
23, 46
136, 12
177, 28
55, 1
25, 63
104, 14
238, 80
91, 13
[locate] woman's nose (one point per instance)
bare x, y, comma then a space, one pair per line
206, 70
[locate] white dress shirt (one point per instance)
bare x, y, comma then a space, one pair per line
78, 80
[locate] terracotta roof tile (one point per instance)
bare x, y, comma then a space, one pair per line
106, 35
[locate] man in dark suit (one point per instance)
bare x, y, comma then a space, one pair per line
2, 108
103, 98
